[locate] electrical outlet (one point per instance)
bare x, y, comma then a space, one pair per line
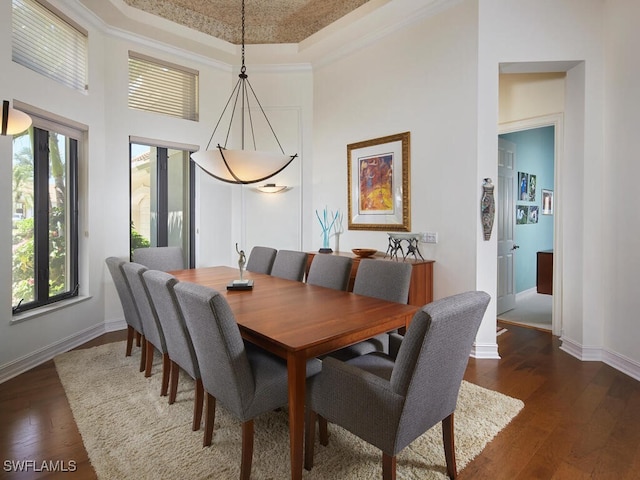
430, 237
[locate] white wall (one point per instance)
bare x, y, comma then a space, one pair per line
621, 216
528, 95
421, 79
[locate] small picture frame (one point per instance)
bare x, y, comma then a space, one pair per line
522, 214
547, 202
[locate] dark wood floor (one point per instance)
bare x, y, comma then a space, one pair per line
581, 419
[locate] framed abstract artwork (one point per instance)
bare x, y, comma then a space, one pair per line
378, 183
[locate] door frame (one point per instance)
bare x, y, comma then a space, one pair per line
555, 120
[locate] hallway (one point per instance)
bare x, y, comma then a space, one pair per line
532, 310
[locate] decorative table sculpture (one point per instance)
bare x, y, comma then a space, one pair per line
327, 223
240, 284
487, 208
395, 244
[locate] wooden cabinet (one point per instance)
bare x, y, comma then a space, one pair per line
421, 288
544, 272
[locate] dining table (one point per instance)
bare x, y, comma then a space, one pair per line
297, 321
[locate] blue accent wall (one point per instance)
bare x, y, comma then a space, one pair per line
535, 154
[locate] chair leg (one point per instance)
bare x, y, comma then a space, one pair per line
174, 376
324, 431
209, 419
130, 334
449, 446
388, 467
143, 353
166, 370
197, 405
309, 438
138, 339
149, 358
247, 450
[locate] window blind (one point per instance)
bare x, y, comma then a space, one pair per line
46, 43
160, 87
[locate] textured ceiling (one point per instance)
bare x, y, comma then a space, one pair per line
266, 21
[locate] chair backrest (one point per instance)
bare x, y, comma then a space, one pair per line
224, 365
152, 329
331, 271
289, 264
382, 279
261, 259
432, 359
160, 258
131, 315
179, 345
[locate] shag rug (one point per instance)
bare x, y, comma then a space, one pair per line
130, 432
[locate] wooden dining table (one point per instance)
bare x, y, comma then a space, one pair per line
296, 322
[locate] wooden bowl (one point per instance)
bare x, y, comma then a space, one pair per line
363, 252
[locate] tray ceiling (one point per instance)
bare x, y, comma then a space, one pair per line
266, 21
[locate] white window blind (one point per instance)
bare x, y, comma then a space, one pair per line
160, 87
45, 42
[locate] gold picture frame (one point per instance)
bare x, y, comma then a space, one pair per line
378, 184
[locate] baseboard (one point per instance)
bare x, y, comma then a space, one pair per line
33, 359
595, 354
485, 351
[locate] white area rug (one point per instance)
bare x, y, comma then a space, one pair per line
130, 432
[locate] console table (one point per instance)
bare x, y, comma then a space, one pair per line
421, 288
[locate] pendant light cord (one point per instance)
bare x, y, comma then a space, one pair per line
243, 68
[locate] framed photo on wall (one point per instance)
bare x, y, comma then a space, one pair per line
547, 202
378, 184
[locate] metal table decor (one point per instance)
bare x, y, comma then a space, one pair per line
412, 241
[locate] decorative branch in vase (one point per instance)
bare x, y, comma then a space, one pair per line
327, 223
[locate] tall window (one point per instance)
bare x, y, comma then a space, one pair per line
162, 198
49, 43
45, 218
162, 87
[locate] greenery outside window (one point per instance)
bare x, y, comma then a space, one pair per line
45, 216
162, 180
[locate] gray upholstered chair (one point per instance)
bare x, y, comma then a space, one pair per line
153, 334
390, 400
289, 264
159, 258
382, 279
331, 271
247, 380
131, 315
261, 259
179, 345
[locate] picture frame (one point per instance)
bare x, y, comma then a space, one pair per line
378, 180
547, 202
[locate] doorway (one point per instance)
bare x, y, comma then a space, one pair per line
533, 231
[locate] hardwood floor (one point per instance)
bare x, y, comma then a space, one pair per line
580, 419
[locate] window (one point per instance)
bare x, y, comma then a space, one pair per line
48, 43
45, 219
162, 198
160, 87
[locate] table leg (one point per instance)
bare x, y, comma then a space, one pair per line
297, 371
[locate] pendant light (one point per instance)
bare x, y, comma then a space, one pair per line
13, 121
242, 166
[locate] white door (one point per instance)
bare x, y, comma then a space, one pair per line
506, 223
